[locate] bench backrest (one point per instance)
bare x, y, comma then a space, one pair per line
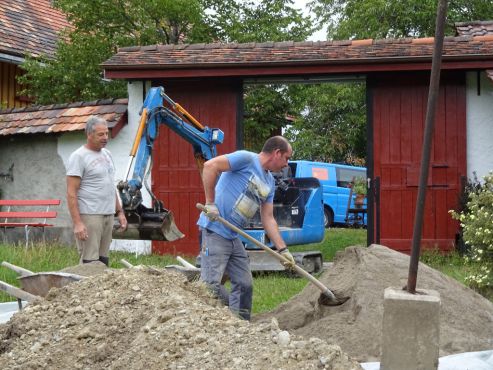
29, 202
28, 214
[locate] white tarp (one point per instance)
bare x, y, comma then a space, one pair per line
7, 309
461, 361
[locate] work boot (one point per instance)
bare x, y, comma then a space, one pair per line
87, 261
105, 260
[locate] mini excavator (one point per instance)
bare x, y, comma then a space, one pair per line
298, 207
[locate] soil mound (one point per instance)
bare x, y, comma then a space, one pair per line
145, 318
466, 318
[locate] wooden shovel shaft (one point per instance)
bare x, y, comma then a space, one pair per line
279, 256
16, 292
21, 271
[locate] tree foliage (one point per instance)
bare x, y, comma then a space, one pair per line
258, 21
332, 126
348, 19
101, 26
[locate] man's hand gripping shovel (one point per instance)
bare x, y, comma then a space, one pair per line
327, 298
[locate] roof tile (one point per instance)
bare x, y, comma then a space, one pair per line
60, 117
325, 52
477, 28
30, 27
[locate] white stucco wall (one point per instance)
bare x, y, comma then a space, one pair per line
479, 130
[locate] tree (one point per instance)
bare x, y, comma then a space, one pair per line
100, 27
360, 19
332, 127
258, 21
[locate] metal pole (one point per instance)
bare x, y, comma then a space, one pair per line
427, 139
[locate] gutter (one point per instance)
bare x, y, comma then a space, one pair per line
11, 58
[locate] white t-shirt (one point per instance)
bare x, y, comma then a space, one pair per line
97, 193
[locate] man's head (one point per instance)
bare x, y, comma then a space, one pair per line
276, 151
97, 133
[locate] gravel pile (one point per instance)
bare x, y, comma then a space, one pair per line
154, 319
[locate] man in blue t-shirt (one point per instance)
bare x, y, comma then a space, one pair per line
245, 184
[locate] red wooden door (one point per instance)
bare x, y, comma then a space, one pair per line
398, 115
176, 179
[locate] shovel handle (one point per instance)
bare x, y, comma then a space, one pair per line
21, 271
280, 257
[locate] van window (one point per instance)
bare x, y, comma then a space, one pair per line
292, 167
346, 175
320, 173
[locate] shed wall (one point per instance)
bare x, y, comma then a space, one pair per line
9, 87
399, 112
479, 124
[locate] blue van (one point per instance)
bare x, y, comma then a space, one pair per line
335, 180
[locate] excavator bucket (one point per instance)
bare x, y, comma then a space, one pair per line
146, 224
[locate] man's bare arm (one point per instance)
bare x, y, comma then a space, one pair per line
73, 185
212, 169
270, 225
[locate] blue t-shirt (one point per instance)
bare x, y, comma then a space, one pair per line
240, 192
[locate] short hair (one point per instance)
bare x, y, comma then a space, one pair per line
93, 121
276, 142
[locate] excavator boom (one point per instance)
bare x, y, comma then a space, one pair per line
156, 222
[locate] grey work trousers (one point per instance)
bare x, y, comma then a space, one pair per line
220, 255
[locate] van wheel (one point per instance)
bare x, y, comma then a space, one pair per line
328, 217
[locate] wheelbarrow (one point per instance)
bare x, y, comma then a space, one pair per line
36, 284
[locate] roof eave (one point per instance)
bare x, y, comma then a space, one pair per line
12, 58
329, 65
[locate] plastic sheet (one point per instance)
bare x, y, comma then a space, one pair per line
482, 360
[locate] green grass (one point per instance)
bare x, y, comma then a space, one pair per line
270, 289
335, 239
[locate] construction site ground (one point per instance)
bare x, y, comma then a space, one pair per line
151, 318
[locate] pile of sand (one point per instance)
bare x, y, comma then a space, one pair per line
150, 319
466, 321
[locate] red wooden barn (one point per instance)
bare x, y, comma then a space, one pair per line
207, 79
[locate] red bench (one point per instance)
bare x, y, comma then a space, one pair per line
10, 218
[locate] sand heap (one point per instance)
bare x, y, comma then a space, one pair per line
466, 321
150, 319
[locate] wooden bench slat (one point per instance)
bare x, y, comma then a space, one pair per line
22, 224
29, 202
16, 214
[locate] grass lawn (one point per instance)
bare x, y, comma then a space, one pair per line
270, 289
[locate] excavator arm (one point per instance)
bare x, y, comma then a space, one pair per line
157, 223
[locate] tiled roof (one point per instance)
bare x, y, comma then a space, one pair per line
479, 28
299, 53
29, 27
61, 117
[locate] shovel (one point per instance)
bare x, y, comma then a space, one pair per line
327, 298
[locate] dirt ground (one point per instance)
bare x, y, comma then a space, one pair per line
150, 318
466, 318
143, 318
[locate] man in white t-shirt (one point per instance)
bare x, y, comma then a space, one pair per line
91, 194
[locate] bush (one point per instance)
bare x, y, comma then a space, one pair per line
476, 221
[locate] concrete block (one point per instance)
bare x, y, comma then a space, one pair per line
411, 330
